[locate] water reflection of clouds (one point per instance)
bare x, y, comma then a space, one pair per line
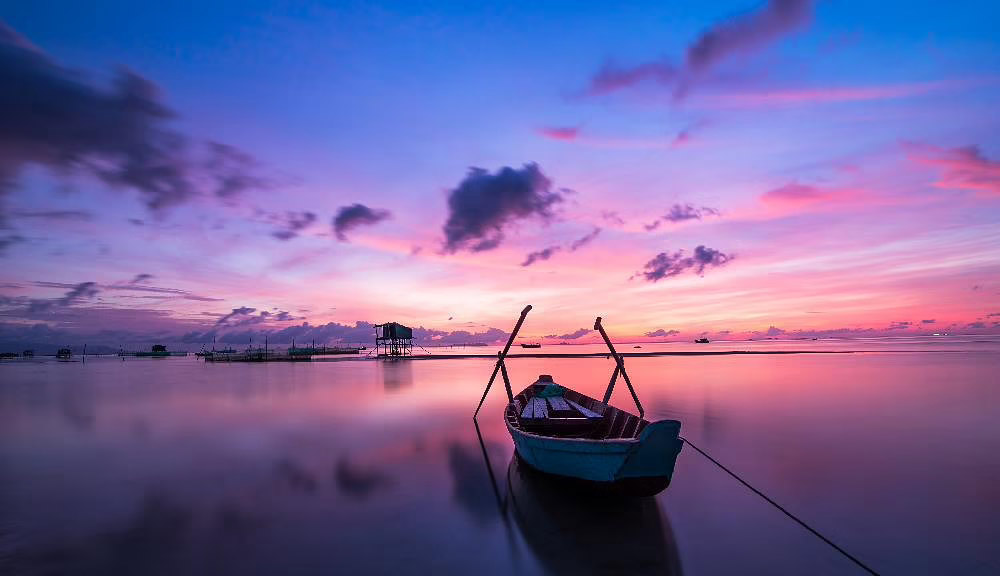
359, 482
295, 476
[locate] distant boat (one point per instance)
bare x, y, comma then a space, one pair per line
8, 355
64, 354
559, 431
701, 341
28, 354
531, 345
637, 346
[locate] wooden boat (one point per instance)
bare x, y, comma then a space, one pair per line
531, 345
701, 341
559, 431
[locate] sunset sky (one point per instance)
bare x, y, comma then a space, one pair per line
183, 172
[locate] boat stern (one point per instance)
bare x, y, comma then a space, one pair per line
656, 452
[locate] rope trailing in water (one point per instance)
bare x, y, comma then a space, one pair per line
846, 554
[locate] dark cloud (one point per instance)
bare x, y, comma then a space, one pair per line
137, 285
774, 331
976, 325
10, 239
666, 265
900, 325
59, 215
120, 135
350, 217
232, 171
682, 213
543, 254
661, 333
612, 78
736, 37
242, 311
484, 204
572, 335
928, 321
747, 32
76, 293
584, 240
612, 217
292, 223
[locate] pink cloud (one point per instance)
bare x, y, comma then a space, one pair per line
560, 133
963, 168
821, 95
795, 194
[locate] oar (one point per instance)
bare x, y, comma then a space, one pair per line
619, 369
503, 354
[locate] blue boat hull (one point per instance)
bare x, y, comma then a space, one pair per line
640, 466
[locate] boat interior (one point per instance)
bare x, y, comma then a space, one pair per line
569, 414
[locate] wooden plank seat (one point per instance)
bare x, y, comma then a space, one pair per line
535, 409
587, 413
559, 404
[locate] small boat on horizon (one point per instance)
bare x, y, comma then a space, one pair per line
531, 345
701, 341
559, 431
64, 354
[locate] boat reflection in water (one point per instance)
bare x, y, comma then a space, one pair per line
575, 532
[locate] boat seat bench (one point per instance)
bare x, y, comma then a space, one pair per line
535, 408
584, 411
559, 404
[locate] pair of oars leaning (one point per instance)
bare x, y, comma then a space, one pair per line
502, 369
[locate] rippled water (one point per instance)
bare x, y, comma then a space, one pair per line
171, 466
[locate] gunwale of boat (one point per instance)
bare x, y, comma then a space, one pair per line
615, 426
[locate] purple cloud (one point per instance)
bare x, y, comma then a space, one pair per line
572, 335
543, 254
121, 135
666, 265
681, 213
355, 215
483, 205
738, 36
662, 333
584, 240
292, 223
242, 311
76, 293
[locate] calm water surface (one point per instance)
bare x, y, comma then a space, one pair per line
172, 466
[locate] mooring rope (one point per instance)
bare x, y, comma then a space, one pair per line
815, 532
